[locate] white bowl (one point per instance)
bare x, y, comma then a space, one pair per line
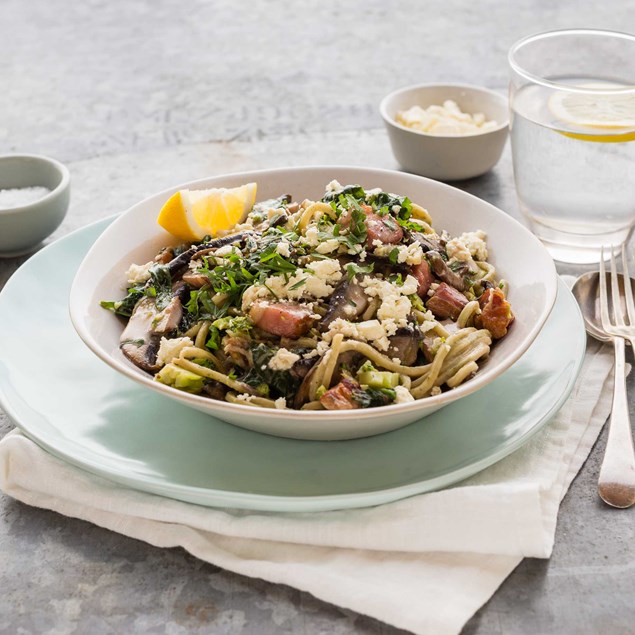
447, 158
135, 237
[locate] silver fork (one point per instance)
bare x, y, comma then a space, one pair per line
616, 484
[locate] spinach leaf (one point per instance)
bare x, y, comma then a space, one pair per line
353, 269
355, 191
126, 306
372, 397
281, 383
390, 201
161, 287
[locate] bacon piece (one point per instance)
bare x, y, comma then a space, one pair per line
282, 319
340, 397
446, 302
382, 228
496, 313
424, 277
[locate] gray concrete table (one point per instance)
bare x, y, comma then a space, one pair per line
138, 96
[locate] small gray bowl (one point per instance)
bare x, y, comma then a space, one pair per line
24, 227
447, 158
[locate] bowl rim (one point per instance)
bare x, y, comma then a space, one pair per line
437, 401
383, 109
62, 185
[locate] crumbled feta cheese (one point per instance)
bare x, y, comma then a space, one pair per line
403, 395
396, 209
317, 284
137, 274
457, 250
311, 236
429, 322
169, 349
394, 305
253, 293
475, 242
343, 327
283, 248
311, 354
447, 119
371, 330
468, 245
354, 250
377, 243
272, 212
283, 359
280, 403
390, 326
410, 254
328, 269
382, 251
409, 286
244, 397
328, 246
316, 287
322, 347
333, 186
398, 308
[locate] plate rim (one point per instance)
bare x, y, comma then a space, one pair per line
280, 503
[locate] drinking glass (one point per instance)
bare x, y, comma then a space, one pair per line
572, 102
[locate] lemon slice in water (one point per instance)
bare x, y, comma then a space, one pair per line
193, 214
600, 117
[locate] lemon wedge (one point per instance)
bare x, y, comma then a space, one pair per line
193, 214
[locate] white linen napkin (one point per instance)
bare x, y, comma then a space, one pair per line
425, 564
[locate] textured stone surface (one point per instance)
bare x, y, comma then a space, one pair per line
138, 96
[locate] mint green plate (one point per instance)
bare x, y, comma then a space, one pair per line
79, 409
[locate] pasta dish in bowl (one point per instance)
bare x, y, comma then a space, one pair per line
341, 294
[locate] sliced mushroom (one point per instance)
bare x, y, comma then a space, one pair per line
349, 301
169, 318
302, 394
429, 347
443, 272
348, 361
215, 390
195, 280
429, 242
183, 260
164, 256
139, 343
302, 367
404, 344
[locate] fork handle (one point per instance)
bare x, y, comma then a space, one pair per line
616, 484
